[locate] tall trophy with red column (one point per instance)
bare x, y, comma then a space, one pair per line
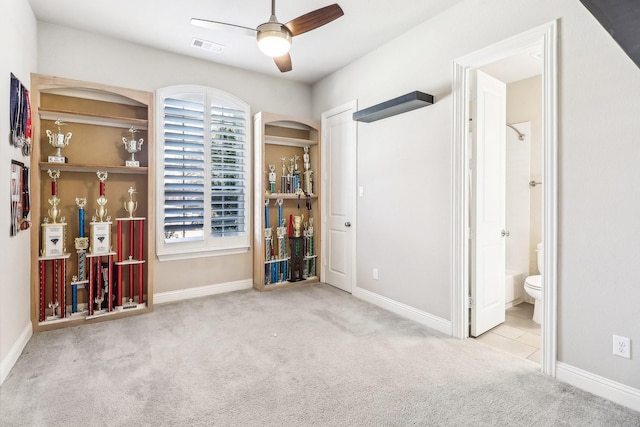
100, 282
53, 253
130, 250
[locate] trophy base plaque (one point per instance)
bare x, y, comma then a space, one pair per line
57, 159
132, 164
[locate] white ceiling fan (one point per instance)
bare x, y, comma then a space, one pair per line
274, 38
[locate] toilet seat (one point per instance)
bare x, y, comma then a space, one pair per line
534, 282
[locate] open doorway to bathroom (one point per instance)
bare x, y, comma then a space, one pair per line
464, 72
520, 332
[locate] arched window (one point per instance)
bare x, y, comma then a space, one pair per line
203, 175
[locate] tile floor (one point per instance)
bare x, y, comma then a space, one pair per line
518, 335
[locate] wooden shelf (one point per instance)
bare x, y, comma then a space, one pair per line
100, 113
288, 196
92, 119
292, 142
280, 137
401, 104
70, 167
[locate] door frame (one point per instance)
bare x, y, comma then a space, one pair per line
461, 150
324, 202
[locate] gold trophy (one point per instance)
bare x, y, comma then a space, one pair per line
130, 205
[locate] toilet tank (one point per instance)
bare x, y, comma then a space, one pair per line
540, 256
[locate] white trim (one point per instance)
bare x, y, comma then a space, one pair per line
404, 310
201, 291
349, 106
600, 386
547, 36
14, 353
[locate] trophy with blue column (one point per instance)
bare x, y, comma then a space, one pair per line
82, 244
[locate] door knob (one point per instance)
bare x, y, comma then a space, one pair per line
347, 224
505, 233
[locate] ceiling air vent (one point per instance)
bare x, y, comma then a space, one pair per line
207, 45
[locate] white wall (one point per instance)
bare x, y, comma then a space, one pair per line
404, 163
79, 55
18, 37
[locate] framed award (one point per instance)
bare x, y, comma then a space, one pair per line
100, 238
53, 240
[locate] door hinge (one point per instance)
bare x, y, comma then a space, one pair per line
469, 302
469, 233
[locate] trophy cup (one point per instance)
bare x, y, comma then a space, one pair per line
53, 232
81, 244
101, 223
297, 252
272, 179
308, 173
297, 225
132, 146
58, 141
283, 178
130, 205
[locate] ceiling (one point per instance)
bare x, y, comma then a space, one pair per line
165, 24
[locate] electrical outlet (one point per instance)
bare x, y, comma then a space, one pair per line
622, 346
375, 274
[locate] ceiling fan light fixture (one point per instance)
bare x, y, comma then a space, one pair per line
274, 40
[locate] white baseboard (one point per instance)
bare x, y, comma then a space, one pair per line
404, 310
201, 291
600, 386
14, 353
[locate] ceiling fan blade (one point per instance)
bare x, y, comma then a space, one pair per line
312, 20
283, 62
215, 25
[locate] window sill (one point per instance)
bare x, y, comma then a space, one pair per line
177, 256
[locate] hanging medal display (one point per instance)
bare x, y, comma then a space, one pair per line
20, 116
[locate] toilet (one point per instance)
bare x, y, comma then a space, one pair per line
533, 286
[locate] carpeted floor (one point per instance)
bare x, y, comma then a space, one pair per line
305, 356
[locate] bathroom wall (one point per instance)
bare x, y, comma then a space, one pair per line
518, 212
524, 103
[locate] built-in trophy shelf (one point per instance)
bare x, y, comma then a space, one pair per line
92, 119
91, 252
70, 167
287, 209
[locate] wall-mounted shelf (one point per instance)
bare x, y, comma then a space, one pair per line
401, 104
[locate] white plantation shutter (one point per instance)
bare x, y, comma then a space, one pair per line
184, 169
228, 181
204, 177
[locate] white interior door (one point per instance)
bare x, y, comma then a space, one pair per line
488, 193
338, 196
